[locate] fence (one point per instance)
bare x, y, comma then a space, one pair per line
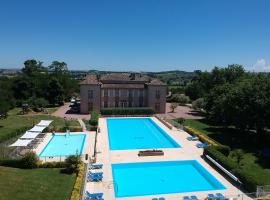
59, 158
263, 191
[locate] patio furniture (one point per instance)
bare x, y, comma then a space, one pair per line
94, 195
186, 198
202, 145
211, 196
96, 166
220, 196
192, 138
193, 197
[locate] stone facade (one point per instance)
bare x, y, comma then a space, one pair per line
122, 90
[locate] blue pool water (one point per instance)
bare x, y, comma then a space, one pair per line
137, 133
64, 145
151, 178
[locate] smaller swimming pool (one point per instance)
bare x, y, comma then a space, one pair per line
151, 178
64, 145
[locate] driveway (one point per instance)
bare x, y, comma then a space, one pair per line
63, 112
181, 112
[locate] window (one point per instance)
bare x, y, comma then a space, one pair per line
116, 104
117, 93
130, 93
90, 106
157, 94
105, 104
90, 94
157, 107
141, 93
105, 93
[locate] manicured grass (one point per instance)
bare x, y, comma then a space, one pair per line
249, 142
35, 184
15, 121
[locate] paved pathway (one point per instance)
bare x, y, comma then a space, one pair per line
63, 111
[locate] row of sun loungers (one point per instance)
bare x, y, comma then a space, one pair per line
160, 198
199, 145
95, 176
218, 196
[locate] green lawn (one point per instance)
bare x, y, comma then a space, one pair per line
15, 121
249, 142
35, 184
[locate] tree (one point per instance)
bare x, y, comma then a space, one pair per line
72, 164
198, 104
31, 67
173, 106
55, 92
58, 67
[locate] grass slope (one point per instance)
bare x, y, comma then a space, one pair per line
35, 184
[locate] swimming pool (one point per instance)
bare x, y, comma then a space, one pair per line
137, 133
64, 145
151, 178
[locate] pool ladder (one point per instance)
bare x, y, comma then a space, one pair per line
113, 184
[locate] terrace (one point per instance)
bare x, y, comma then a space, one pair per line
188, 151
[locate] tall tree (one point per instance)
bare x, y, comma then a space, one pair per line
58, 67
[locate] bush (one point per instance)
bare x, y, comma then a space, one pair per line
224, 149
200, 135
52, 165
198, 104
94, 119
180, 98
63, 129
75, 195
10, 163
72, 164
29, 161
127, 111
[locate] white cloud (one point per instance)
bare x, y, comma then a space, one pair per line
261, 65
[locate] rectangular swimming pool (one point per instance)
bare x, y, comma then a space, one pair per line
137, 133
64, 145
151, 178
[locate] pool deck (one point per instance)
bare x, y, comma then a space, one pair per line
188, 151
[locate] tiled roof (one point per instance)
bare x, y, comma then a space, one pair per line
90, 80
123, 86
111, 80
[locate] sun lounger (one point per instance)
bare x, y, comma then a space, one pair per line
220, 196
151, 153
94, 195
96, 166
193, 197
160, 198
96, 173
192, 138
95, 178
202, 145
211, 196
186, 198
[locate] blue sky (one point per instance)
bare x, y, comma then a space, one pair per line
138, 35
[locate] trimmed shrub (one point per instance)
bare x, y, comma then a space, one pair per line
52, 165
63, 129
200, 135
72, 164
75, 195
226, 162
29, 161
94, 119
11, 163
224, 149
127, 111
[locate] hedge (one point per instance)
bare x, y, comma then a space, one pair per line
250, 182
200, 135
75, 195
127, 111
94, 119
